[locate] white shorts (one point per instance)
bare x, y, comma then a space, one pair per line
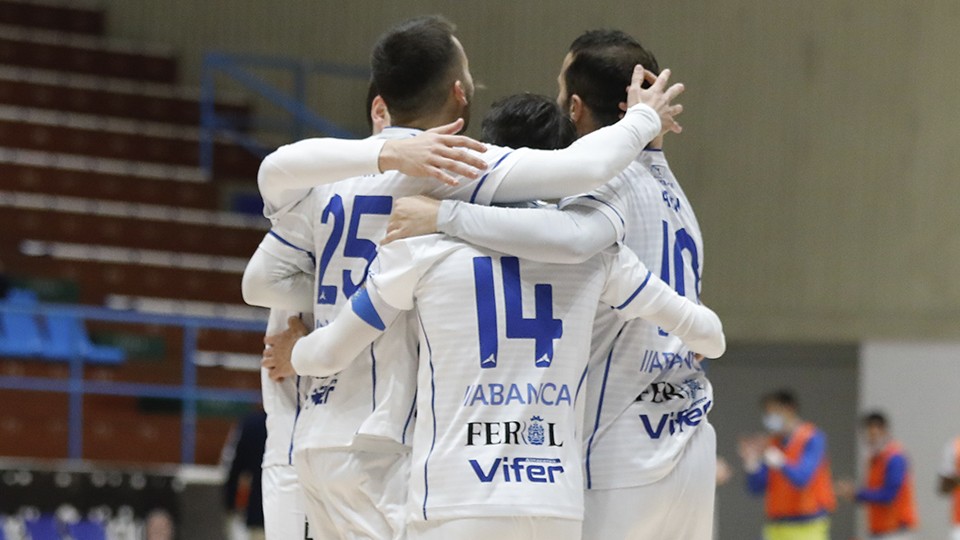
496, 528
284, 516
354, 495
677, 507
955, 535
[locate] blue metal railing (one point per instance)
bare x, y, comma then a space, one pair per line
237, 67
187, 391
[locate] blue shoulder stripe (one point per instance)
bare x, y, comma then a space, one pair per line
364, 309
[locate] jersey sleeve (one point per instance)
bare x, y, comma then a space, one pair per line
549, 235
606, 201
586, 164
287, 175
500, 160
634, 292
948, 462
294, 226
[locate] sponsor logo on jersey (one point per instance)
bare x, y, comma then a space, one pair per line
496, 394
532, 433
519, 470
675, 422
664, 360
662, 392
321, 394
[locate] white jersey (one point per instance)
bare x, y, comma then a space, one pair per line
504, 346
342, 224
646, 394
281, 402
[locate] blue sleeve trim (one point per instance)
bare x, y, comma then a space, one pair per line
608, 205
473, 198
364, 309
433, 413
636, 292
289, 244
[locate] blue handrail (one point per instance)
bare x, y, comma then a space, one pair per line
187, 392
237, 67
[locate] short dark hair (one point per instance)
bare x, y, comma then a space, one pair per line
601, 70
372, 92
527, 120
412, 64
783, 397
874, 418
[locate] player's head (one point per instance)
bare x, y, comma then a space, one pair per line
527, 120
595, 75
420, 70
780, 411
377, 115
876, 429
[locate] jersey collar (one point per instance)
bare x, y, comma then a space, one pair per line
398, 133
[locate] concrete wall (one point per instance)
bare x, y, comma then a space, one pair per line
915, 384
820, 135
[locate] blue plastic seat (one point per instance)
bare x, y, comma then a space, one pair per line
67, 336
19, 332
88, 530
44, 527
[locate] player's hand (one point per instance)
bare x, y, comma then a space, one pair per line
846, 489
412, 216
658, 97
279, 347
774, 457
435, 153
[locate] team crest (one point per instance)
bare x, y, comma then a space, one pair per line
535, 431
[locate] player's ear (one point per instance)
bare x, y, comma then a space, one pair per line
460, 94
576, 108
379, 114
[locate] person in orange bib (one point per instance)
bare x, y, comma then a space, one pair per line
888, 494
792, 470
950, 481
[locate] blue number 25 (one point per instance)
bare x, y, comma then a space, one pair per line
353, 247
542, 328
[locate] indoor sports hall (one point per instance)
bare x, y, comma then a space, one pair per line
191, 204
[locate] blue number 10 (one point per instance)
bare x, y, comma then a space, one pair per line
542, 328
682, 241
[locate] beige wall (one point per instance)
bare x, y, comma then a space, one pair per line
822, 143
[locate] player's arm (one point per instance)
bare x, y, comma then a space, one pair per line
388, 292
949, 479
279, 276
299, 166
892, 480
801, 473
596, 157
635, 292
547, 235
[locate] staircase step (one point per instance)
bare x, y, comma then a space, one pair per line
145, 236
114, 180
62, 16
77, 53
118, 139
99, 279
43, 89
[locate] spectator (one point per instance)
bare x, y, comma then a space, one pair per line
891, 508
950, 481
158, 526
790, 467
244, 466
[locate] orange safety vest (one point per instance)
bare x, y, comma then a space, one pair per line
901, 512
784, 500
956, 491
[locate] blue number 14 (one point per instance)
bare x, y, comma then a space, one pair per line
542, 328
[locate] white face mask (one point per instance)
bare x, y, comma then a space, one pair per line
773, 422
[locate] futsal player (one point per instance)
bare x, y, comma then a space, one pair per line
650, 453
330, 420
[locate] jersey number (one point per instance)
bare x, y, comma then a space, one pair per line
542, 328
354, 246
682, 241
